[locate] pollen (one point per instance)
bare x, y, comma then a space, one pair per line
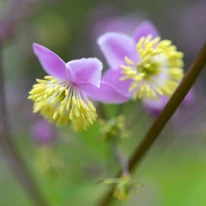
158, 71
61, 102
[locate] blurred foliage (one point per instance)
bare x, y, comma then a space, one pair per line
173, 173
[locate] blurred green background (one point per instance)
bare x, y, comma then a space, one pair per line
67, 165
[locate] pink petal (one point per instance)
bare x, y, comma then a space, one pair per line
144, 29
189, 99
106, 93
116, 46
85, 71
154, 106
51, 62
113, 77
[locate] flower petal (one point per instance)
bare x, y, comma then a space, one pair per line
85, 70
116, 46
51, 62
107, 93
113, 77
144, 29
154, 106
189, 99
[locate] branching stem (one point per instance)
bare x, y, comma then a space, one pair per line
163, 118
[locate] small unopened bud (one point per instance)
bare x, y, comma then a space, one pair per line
124, 185
114, 128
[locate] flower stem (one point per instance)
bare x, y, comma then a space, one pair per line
163, 118
119, 156
12, 154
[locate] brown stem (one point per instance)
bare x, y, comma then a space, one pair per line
12, 155
163, 118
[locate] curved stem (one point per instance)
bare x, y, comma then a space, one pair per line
12, 155
163, 118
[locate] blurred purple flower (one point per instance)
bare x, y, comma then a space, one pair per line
155, 107
117, 46
42, 132
139, 67
123, 24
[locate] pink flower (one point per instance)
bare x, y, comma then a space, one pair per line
141, 66
64, 96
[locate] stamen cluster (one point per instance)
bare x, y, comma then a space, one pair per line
60, 102
158, 71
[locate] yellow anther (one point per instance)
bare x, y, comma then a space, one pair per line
91, 106
60, 103
128, 61
56, 114
147, 66
53, 81
48, 78
158, 71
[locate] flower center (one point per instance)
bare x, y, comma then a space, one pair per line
61, 102
147, 68
158, 71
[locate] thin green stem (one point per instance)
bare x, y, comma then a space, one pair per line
12, 154
119, 156
163, 118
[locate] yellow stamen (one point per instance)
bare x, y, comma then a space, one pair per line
128, 61
61, 102
158, 71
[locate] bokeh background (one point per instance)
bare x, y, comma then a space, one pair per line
67, 165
